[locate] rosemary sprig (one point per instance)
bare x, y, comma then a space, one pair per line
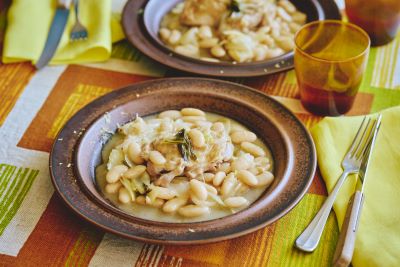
234, 7
184, 145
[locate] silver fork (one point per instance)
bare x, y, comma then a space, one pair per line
351, 163
79, 32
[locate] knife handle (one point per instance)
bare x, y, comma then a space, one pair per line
64, 3
345, 246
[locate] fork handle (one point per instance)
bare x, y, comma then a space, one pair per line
345, 245
310, 237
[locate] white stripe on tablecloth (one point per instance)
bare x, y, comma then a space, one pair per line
116, 251
13, 128
144, 67
28, 104
35, 202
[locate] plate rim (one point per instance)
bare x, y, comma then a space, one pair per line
88, 218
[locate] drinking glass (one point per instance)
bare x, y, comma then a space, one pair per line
379, 18
330, 59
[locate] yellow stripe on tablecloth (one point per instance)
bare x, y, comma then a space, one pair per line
82, 95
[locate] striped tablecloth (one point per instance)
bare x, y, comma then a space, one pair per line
37, 229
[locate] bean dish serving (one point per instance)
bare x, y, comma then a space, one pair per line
181, 166
231, 30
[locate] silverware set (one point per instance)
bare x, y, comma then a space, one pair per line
79, 32
355, 161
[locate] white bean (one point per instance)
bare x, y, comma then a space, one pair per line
219, 178
197, 138
218, 51
299, 17
115, 173
283, 14
252, 149
260, 52
158, 202
211, 189
243, 136
254, 170
208, 43
193, 118
156, 157
218, 127
164, 193
265, 179
294, 27
289, 7
241, 163
275, 52
236, 202
172, 114
134, 151
165, 34
286, 43
174, 37
208, 177
261, 161
193, 211
134, 172
247, 178
228, 184
113, 188
187, 50
198, 189
192, 112
205, 32
123, 195
174, 204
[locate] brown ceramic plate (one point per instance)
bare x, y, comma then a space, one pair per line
141, 20
80, 143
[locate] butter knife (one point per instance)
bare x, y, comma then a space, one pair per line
56, 30
345, 246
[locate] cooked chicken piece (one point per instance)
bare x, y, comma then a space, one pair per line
154, 170
203, 12
166, 178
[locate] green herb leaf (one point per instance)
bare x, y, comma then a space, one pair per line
184, 145
234, 7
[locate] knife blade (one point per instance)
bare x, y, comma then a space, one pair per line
56, 30
345, 246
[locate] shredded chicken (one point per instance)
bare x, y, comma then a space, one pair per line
203, 12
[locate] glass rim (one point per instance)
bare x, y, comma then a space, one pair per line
337, 22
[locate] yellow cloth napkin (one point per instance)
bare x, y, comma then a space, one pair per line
29, 21
378, 237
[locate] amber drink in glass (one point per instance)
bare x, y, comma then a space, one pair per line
379, 18
330, 59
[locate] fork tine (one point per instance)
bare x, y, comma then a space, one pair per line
362, 141
353, 144
367, 142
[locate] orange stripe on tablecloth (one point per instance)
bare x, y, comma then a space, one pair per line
39, 134
13, 79
54, 237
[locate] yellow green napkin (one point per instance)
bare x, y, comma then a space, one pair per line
378, 237
28, 23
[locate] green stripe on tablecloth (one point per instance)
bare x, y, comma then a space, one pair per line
14, 185
6, 174
291, 226
124, 50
